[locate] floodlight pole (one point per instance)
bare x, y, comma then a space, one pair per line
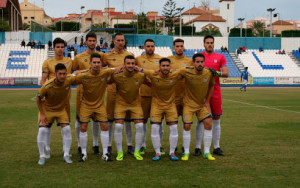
81, 8
241, 31
271, 10
180, 23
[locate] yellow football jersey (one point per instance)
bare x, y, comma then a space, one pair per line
163, 89
93, 86
128, 85
56, 95
196, 85
49, 66
82, 61
149, 63
177, 63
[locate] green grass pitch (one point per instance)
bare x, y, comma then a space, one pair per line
260, 137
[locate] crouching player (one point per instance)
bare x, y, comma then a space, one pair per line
163, 104
198, 91
53, 108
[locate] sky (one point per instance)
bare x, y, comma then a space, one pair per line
248, 9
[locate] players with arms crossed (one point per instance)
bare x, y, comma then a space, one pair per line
199, 86
114, 59
217, 63
94, 82
128, 83
163, 105
48, 72
52, 99
149, 61
82, 62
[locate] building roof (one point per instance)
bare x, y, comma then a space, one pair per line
281, 22
206, 18
194, 11
225, 0
125, 17
3, 3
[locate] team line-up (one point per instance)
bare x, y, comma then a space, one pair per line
138, 88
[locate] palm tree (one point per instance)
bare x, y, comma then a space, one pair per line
211, 31
258, 28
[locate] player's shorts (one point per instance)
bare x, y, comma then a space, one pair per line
97, 114
158, 112
110, 105
216, 102
61, 117
179, 104
188, 114
135, 111
245, 82
146, 106
68, 105
78, 99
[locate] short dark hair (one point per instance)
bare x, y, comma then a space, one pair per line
163, 60
149, 40
198, 55
128, 57
95, 55
177, 40
60, 66
119, 34
208, 37
91, 34
58, 41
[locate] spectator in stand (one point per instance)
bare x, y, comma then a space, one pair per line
225, 49
299, 49
105, 44
75, 40
279, 52
50, 45
9, 57
283, 51
261, 49
29, 43
23, 43
239, 51
33, 44
39, 44
98, 48
81, 39
101, 41
75, 52
244, 49
81, 44
72, 48
68, 48
222, 49
112, 44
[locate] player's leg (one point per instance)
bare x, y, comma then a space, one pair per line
41, 141
119, 116
216, 108
188, 121
128, 133
137, 115
179, 107
204, 116
146, 106
77, 122
110, 108
63, 121
156, 115
172, 120
95, 132
245, 85
50, 118
85, 114
199, 134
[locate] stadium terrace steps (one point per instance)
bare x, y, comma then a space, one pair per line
269, 64
162, 51
50, 54
295, 56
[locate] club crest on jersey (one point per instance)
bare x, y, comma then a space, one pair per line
67, 64
184, 64
144, 61
85, 60
215, 61
156, 62
114, 59
171, 81
205, 80
67, 88
102, 79
137, 83
157, 80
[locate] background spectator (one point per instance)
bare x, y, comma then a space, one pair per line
50, 45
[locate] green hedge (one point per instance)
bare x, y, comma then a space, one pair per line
186, 30
67, 26
291, 33
236, 32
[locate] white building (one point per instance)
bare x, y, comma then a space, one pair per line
204, 17
123, 19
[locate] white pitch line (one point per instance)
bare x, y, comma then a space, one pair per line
261, 106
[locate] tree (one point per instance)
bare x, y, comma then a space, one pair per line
170, 12
258, 28
25, 26
211, 31
205, 3
4, 26
143, 21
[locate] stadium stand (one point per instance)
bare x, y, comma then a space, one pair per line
162, 51
297, 54
233, 70
269, 64
20, 62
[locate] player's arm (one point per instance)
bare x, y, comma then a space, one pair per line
74, 65
224, 68
45, 73
209, 92
39, 97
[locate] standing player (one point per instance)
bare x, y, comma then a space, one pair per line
82, 62
149, 61
52, 99
115, 59
244, 76
128, 84
198, 91
216, 62
178, 61
94, 82
48, 69
163, 104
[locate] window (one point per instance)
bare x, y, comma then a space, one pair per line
25, 5
32, 18
46, 21
96, 20
25, 18
227, 29
228, 6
